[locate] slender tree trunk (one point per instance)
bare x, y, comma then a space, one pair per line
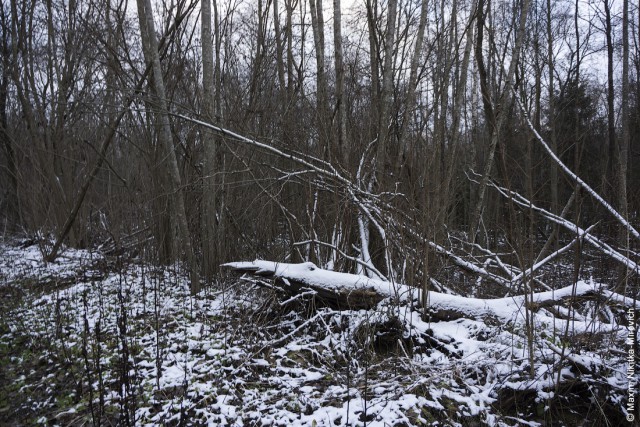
257, 69
624, 142
386, 95
442, 124
317, 25
490, 120
221, 237
611, 119
577, 131
179, 216
11, 198
374, 58
290, 61
553, 140
460, 94
279, 50
495, 117
413, 83
210, 259
341, 105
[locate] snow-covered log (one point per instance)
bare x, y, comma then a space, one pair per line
339, 290
351, 291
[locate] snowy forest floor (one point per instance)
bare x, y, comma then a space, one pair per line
90, 340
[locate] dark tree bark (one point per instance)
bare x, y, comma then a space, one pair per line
12, 208
179, 216
623, 156
210, 258
341, 105
611, 158
322, 113
495, 116
386, 95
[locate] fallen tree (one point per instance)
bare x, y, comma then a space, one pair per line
355, 292
573, 333
401, 237
373, 212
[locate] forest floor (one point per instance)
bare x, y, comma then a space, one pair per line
90, 340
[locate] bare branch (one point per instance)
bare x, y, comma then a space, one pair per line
625, 223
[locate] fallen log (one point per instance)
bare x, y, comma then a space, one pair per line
354, 292
340, 291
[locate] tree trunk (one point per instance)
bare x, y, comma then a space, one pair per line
290, 62
317, 24
611, 119
553, 140
11, 195
413, 82
210, 257
386, 95
624, 142
495, 117
345, 291
341, 105
279, 50
179, 216
374, 58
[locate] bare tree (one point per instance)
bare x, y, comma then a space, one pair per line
209, 209
279, 48
623, 155
317, 24
553, 174
179, 216
495, 114
341, 105
611, 158
413, 78
10, 197
386, 94
374, 64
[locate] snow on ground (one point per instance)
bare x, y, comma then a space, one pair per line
92, 338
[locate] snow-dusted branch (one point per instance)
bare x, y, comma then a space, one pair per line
553, 255
571, 227
356, 192
625, 223
457, 260
329, 171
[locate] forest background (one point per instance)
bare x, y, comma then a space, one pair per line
370, 138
